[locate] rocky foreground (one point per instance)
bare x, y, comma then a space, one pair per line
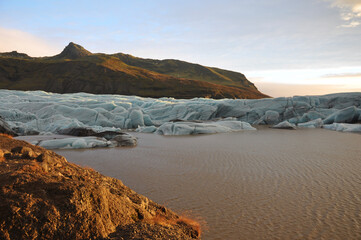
42, 196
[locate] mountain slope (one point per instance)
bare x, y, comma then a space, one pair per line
177, 68
77, 70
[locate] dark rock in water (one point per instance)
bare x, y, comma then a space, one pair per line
79, 132
31, 132
109, 135
118, 138
49, 198
5, 128
87, 132
125, 140
181, 120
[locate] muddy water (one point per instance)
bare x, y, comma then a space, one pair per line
266, 184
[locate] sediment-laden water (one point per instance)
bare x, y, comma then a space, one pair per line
266, 184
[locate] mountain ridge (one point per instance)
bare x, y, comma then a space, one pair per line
76, 69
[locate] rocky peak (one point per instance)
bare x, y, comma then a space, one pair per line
73, 51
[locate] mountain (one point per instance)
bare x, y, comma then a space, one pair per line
77, 70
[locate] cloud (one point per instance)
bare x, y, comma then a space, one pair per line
350, 11
351, 24
281, 83
342, 75
15, 40
289, 90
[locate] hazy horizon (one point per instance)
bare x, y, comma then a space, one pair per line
285, 47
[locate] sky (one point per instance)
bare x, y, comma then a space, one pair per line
286, 47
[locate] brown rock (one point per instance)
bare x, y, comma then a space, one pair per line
50, 198
24, 152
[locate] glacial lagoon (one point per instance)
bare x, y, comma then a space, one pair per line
264, 184
244, 183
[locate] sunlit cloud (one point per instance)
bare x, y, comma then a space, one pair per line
351, 24
286, 83
342, 75
350, 11
290, 90
15, 40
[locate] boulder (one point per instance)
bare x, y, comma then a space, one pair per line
25, 152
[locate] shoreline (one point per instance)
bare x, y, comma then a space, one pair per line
43, 196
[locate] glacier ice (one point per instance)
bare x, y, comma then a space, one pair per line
5, 128
148, 129
87, 142
317, 123
34, 112
285, 125
343, 127
73, 143
189, 128
311, 115
346, 115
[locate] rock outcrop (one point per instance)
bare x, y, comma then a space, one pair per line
42, 196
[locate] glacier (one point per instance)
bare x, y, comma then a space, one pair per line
343, 127
189, 128
39, 112
86, 142
73, 143
285, 125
